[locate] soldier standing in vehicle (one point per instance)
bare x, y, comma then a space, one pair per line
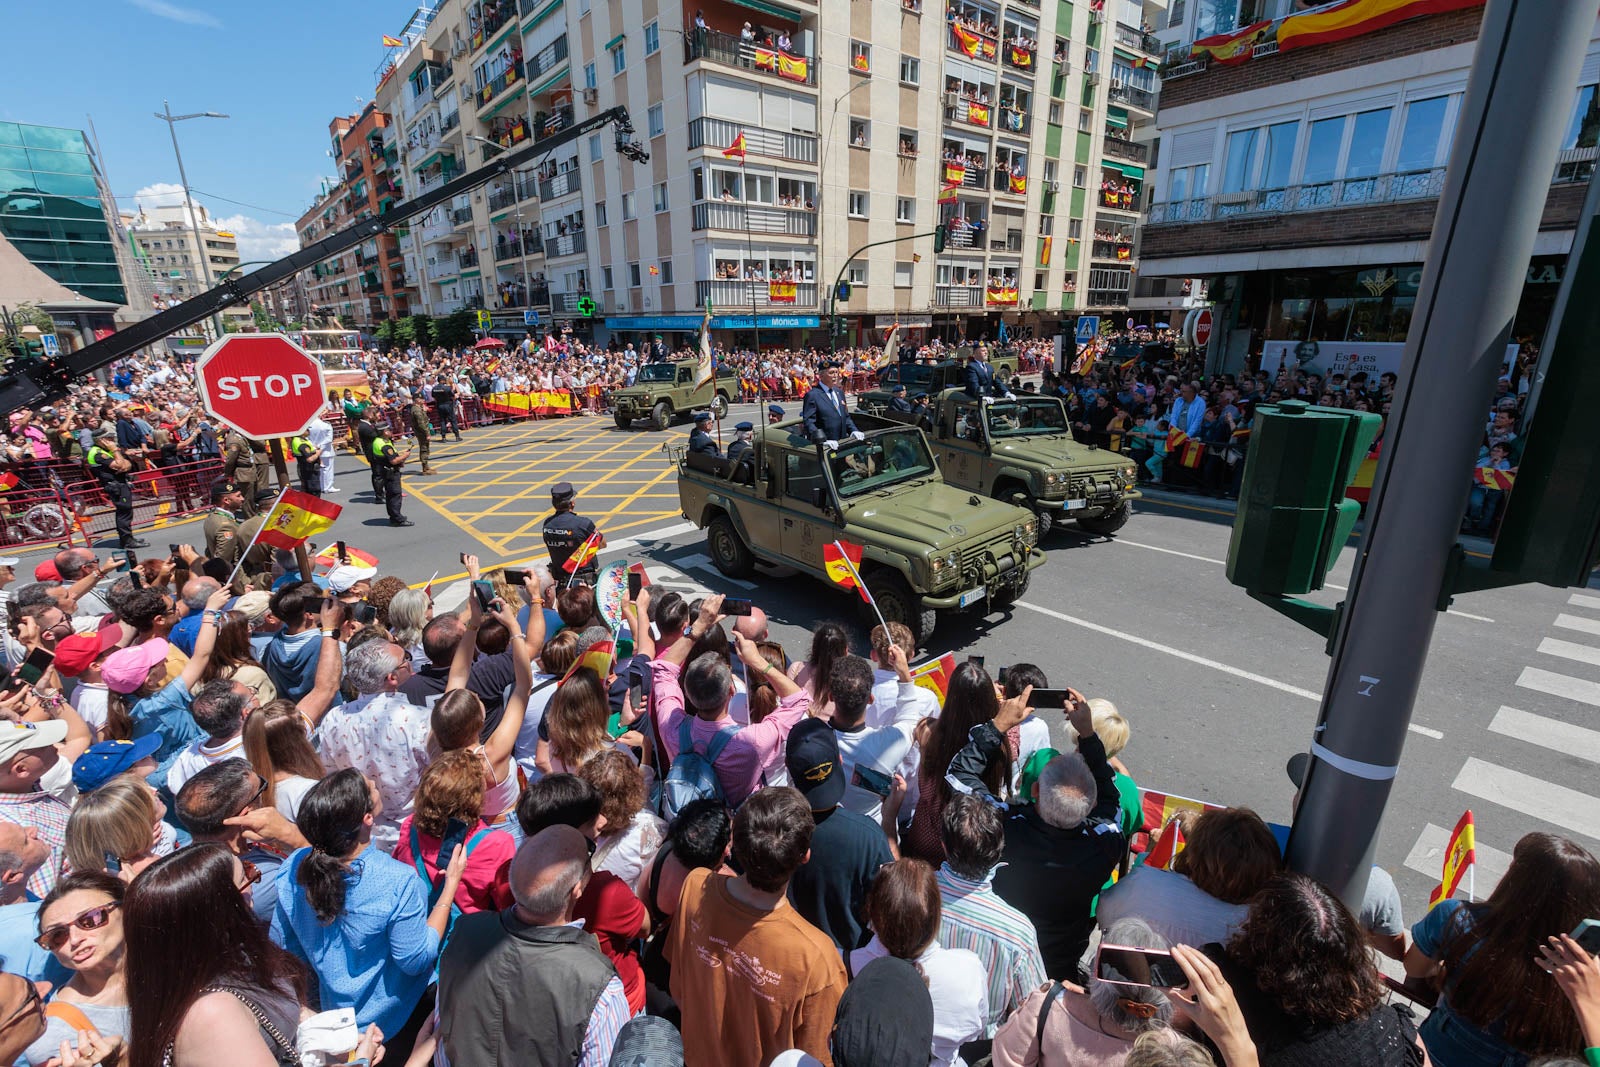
980, 379
111, 467
700, 439
417, 415
566, 531
388, 461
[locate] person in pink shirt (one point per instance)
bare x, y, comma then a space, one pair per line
707, 686
452, 789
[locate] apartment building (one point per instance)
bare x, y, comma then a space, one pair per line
175, 250
369, 283
865, 126
1300, 172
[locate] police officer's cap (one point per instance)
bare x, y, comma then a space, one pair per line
562, 492
744, 427
775, 409
898, 389
831, 364
222, 489
701, 416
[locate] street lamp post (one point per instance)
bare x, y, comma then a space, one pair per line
166, 115
822, 187
522, 249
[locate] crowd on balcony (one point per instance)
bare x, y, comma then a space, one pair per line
489, 16
975, 19
749, 36
965, 90
514, 294
973, 161
760, 271
1118, 194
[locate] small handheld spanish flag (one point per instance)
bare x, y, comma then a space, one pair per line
8, 480
935, 675
736, 149
842, 561
295, 517
1460, 856
598, 658
585, 552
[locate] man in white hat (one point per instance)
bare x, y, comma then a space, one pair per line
27, 753
351, 582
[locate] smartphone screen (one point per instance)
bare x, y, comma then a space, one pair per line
872, 780
33, 668
484, 591
455, 834
736, 606
516, 577
344, 556
1587, 934
1120, 965
1047, 698
975, 659
173, 548
113, 862
635, 584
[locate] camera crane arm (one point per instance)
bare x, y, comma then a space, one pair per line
26, 384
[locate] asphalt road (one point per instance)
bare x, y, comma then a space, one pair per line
1219, 691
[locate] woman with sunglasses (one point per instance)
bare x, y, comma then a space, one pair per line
80, 923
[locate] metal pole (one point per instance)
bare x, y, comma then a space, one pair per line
1529, 53
194, 219
749, 251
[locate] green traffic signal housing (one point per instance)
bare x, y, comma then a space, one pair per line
938, 240
1293, 516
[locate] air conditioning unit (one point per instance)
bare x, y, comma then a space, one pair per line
952, 99
591, 96
1055, 187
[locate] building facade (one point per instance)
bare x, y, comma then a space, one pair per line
169, 246
369, 283
1004, 123
1298, 181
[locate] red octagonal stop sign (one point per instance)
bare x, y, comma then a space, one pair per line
261, 384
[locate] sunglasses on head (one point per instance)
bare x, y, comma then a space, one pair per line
54, 937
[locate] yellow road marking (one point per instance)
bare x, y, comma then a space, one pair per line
588, 486
540, 557
504, 500
512, 456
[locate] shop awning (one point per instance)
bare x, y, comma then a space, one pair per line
777, 11
541, 16
551, 82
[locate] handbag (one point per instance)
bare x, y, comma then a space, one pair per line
283, 1050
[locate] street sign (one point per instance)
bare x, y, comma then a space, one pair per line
586, 307
262, 384
1088, 328
1202, 328
530, 318
485, 320
52, 346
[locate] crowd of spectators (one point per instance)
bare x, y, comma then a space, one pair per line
331, 819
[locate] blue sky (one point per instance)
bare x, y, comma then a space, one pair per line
280, 69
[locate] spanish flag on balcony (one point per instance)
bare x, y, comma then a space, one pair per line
947, 194
1044, 251
861, 62
392, 42
996, 294
968, 42
1185, 449
1018, 183
795, 68
955, 173
977, 114
1231, 48
1124, 252
736, 149
781, 292
1021, 57
1356, 17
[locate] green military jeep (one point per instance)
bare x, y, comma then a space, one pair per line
1022, 450
665, 391
931, 378
927, 547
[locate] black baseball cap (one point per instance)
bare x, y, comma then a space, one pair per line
812, 757
562, 492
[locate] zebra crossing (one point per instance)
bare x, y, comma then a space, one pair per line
1531, 745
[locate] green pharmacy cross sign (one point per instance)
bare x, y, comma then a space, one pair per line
586, 307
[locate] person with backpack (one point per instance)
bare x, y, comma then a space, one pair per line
448, 809
709, 754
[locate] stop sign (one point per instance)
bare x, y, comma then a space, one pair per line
261, 384
1202, 328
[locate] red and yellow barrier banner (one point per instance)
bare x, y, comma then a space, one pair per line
1356, 17
967, 42
539, 402
977, 114
955, 173
1231, 48
1021, 57
1018, 183
1493, 478
781, 292
795, 68
998, 295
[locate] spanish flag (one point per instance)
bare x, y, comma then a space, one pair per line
781, 292
977, 114
967, 41
1231, 48
1493, 478
1159, 808
1044, 251
1185, 449
1166, 848
935, 675
1459, 855
955, 173
295, 517
736, 149
842, 561
585, 552
1021, 57
392, 42
1018, 184
598, 658
1356, 17
8, 480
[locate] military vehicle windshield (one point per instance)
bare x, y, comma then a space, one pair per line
1026, 416
880, 461
656, 372
916, 377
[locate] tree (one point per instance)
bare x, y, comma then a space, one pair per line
384, 334
404, 331
455, 329
422, 330
263, 318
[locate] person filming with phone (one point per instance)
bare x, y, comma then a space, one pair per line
1061, 848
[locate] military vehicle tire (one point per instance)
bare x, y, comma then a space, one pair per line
1109, 523
719, 406
728, 550
1044, 517
661, 415
623, 422
899, 603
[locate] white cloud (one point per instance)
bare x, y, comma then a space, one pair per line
186, 15
257, 240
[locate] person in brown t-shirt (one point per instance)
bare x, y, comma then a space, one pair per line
752, 977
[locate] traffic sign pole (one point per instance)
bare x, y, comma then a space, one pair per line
1529, 53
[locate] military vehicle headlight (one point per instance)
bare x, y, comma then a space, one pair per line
1026, 531
1054, 479
1128, 474
937, 563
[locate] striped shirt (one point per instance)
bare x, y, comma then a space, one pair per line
48, 814
975, 918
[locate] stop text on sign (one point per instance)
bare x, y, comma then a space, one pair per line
263, 385
255, 386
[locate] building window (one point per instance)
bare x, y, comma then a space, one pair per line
1074, 229
597, 149
666, 271
1049, 171
652, 39
661, 197
658, 121
856, 273
591, 79
905, 209
858, 204
583, 8
910, 70
1056, 111
1419, 141
861, 57
908, 143
860, 133
633, 275
1175, 13
902, 274
1080, 178
600, 213
1038, 280
1047, 225
627, 207
619, 58
605, 276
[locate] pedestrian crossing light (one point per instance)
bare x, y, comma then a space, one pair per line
842, 292
1293, 515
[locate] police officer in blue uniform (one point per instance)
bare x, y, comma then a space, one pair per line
565, 532
824, 414
700, 439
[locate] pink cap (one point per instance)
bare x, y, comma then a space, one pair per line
125, 670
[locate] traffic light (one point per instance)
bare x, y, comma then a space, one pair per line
841, 292
938, 240
1293, 516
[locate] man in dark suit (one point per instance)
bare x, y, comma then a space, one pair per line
898, 401
742, 450
824, 415
980, 377
700, 439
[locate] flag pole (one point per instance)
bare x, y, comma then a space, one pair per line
749, 251
256, 537
581, 548
862, 586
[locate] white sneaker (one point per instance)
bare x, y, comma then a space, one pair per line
331, 489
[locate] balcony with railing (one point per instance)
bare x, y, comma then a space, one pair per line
548, 59
548, 123
1014, 120
508, 249
484, 29
968, 111
527, 187
1132, 96
958, 296
1128, 151
502, 198
753, 218
567, 244
1118, 197
467, 258
1114, 250
1136, 40
727, 50
439, 226
1314, 196
720, 133
449, 122
973, 42
460, 216
441, 269
496, 86
561, 185
735, 293
1019, 57
1106, 298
